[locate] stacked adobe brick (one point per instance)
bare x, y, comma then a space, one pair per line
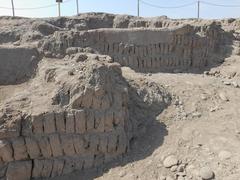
91, 129
146, 49
74, 113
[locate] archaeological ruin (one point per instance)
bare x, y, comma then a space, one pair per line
73, 109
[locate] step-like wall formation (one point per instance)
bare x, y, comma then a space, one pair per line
86, 125
59, 143
76, 113
146, 49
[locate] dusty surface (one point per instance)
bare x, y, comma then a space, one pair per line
7, 91
169, 112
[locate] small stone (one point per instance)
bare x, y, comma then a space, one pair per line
174, 168
177, 102
223, 155
223, 96
162, 178
181, 168
109, 59
196, 114
183, 174
213, 109
235, 84
71, 73
180, 178
206, 72
203, 97
170, 161
17, 43
227, 83
122, 174
206, 173
48, 54
80, 57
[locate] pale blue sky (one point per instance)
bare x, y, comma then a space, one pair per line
124, 7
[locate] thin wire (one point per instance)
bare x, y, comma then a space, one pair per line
40, 7
142, 1
34, 8
167, 7
220, 5
5, 8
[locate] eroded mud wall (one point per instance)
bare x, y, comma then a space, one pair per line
17, 64
146, 49
86, 125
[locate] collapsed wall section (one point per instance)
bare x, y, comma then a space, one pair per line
146, 49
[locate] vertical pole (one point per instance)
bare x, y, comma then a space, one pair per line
59, 9
77, 8
13, 11
198, 9
138, 8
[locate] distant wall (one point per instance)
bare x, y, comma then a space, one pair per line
17, 64
145, 49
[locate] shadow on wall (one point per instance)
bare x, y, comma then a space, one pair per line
17, 64
196, 56
184, 48
141, 148
148, 132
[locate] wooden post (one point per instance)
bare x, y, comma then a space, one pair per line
59, 9
77, 7
198, 15
138, 8
13, 10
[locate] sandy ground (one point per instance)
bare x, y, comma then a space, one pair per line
7, 91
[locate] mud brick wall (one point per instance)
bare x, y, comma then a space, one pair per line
17, 64
92, 130
57, 143
145, 49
